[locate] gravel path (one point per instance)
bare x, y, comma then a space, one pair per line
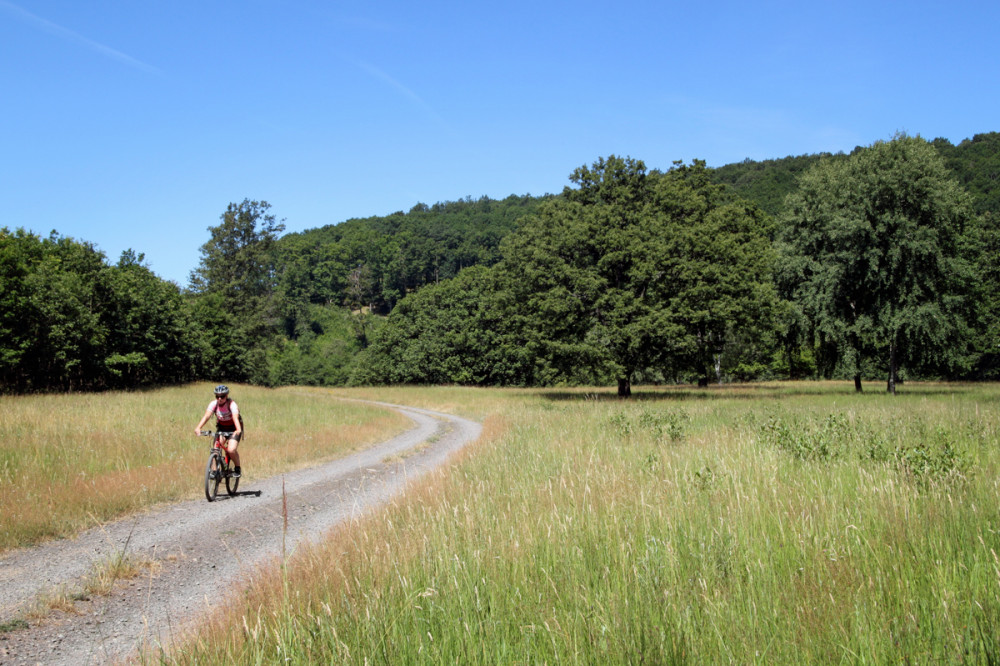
199, 545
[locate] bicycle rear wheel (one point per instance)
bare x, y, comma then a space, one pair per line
213, 475
232, 482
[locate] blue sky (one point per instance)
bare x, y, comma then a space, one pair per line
132, 124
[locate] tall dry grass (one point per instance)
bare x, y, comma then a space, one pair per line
68, 462
782, 523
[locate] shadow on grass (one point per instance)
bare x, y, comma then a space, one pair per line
682, 393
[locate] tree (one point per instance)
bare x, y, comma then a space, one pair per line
988, 236
60, 320
238, 261
19, 252
460, 330
874, 248
150, 339
976, 164
403, 251
636, 270
716, 262
323, 355
235, 284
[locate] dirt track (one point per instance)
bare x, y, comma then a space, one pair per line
201, 547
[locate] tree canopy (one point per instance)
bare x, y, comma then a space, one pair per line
236, 281
874, 249
461, 331
71, 321
637, 271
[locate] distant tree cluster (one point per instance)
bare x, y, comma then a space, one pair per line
878, 264
336, 283
70, 321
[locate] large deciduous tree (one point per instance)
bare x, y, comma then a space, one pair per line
876, 258
633, 271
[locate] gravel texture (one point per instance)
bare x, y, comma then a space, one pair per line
203, 551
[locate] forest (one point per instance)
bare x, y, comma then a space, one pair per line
881, 264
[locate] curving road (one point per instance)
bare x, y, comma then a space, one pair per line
193, 559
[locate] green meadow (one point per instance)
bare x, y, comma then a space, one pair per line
773, 523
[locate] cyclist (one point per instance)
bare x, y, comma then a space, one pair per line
227, 420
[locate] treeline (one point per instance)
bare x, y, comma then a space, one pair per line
876, 265
71, 321
261, 307
881, 263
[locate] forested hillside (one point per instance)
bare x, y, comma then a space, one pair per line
336, 283
629, 275
975, 163
376, 261
770, 181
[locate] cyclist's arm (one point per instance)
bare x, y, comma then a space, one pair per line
236, 419
204, 420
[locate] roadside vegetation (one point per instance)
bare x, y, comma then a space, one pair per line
72, 461
771, 523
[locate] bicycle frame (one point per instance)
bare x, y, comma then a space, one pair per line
219, 442
219, 439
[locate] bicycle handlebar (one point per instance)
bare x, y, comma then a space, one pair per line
216, 433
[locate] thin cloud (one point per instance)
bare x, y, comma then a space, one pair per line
67, 34
403, 90
737, 132
369, 24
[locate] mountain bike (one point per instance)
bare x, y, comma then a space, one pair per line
219, 466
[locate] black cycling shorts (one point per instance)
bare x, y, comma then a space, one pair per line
231, 434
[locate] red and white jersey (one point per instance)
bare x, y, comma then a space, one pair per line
225, 415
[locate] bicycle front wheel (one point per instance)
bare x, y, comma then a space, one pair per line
213, 475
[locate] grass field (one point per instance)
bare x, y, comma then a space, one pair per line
780, 523
68, 462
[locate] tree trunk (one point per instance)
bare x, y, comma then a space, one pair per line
856, 348
624, 387
893, 368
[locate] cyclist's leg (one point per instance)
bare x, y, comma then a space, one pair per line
231, 445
